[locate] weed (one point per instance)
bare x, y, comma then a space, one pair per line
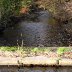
61, 50
8, 48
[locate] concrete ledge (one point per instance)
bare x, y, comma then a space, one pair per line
65, 62
9, 61
39, 60
35, 61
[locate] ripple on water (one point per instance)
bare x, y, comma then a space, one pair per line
45, 32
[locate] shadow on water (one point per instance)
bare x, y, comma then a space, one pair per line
44, 30
35, 69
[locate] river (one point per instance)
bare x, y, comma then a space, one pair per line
35, 69
43, 31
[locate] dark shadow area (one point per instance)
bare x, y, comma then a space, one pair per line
36, 69
38, 29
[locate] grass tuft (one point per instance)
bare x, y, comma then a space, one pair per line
8, 48
62, 50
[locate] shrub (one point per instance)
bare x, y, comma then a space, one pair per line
10, 8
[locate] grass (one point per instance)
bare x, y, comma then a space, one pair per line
62, 50
59, 50
24, 51
8, 48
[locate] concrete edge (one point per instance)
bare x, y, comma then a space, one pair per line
36, 61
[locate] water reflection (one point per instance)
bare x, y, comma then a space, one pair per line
36, 69
45, 32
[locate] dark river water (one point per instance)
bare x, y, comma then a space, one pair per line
35, 69
44, 31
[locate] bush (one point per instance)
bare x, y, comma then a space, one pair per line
10, 8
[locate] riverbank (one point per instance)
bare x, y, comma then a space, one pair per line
34, 59
49, 52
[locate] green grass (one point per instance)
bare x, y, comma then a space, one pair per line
8, 48
25, 51
59, 50
62, 50
35, 51
31, 49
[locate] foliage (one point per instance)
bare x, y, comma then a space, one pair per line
35, 49
10, 8
61, 50
25, 49
8, 48
26, 3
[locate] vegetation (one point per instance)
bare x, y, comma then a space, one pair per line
25, 51
62, 50
10, 8
59, 50
8, 48
35, 51
31, 49
60, 9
